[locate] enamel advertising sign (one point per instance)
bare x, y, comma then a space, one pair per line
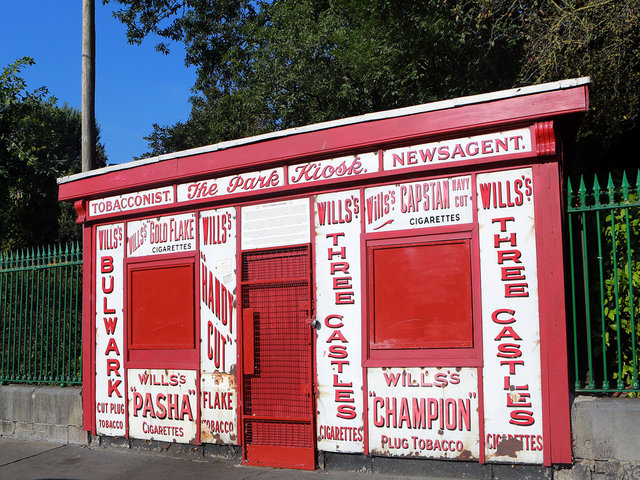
430, 203
340, 423
163, 405
218, 327
109, 324
162, 235
510, 320
424, 412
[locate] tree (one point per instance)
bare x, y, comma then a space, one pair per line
269, 65
264, 66
596, 38
39, 142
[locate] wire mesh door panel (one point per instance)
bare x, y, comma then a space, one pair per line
277, 361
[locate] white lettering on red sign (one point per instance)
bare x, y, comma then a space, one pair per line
131, 201
162, 405
459, 149
232, 184
334, 168
424, 412
161, 235
429, 203
510, 319
218, 326
340, 425
110, 394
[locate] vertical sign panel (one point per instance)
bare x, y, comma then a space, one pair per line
424, 412
338, 292
110, 393
162, 405
218, 326
510, 321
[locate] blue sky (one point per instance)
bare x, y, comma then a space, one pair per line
135, 85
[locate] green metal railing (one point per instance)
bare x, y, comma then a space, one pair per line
604, 242
41, 315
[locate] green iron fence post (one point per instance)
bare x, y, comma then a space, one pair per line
625, 189
582, 192
596, 194
573, 288
3, 312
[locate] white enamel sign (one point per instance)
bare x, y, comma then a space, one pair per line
339, 296
334, 168
161, 235
110, 386
231, 185
510, 321
424, 412
428, 203
131, 201
218, 408
163, 404
218, 326
459, 149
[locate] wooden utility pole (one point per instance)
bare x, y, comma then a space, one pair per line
88, 85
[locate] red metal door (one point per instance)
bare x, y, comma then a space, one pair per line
277, 359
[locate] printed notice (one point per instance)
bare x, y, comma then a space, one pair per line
275, 224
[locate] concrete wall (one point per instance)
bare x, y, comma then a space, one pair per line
606, 439
606, 431
42, 413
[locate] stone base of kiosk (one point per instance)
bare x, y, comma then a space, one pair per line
329, 461
426, 468
188, 452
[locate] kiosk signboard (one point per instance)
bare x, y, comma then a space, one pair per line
387, 285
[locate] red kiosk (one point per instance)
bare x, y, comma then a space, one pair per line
390, 284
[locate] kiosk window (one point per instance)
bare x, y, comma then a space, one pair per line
162, 308
421, 296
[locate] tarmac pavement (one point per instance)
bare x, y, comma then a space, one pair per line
42, 461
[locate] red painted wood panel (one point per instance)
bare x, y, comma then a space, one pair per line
162, 308
422, 296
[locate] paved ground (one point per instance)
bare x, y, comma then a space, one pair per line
42, 461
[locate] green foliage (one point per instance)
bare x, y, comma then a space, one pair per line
622, 294
39, 142
596, 38
270, 65
264, 66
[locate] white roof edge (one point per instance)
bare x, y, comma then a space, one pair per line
398, 112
